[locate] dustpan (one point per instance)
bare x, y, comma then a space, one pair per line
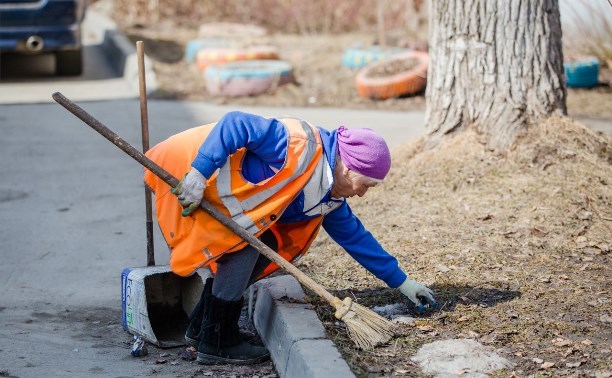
155, 303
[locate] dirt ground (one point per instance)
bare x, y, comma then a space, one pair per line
321, 80
516, 248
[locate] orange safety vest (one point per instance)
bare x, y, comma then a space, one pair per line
198, 240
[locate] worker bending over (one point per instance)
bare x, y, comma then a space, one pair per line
281, 179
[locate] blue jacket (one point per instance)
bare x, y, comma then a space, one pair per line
266, 141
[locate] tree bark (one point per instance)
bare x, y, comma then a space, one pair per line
495, 66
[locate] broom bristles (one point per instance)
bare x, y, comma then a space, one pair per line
366, 328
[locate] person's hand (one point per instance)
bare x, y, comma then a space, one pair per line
418, 294
190, 191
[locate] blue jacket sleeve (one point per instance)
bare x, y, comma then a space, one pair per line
348, 231
264, 137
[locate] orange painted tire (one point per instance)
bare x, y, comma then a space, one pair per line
406, 82
216, 55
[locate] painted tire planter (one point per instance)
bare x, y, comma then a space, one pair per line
247, 78
373, 82
195, 45
359, 57
213, 56
582, 73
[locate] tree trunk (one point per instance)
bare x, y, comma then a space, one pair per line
495, 66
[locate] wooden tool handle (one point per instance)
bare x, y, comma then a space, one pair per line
144, 127
173, 182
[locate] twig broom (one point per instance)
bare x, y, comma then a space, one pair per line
365, 327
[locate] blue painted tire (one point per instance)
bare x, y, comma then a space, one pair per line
360, 57
195, 45
247, 77
582, 73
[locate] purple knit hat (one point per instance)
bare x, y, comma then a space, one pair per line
364, 151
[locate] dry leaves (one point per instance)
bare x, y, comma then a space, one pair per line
561, 342
547, 365
425, 328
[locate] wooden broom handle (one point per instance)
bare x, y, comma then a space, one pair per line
173, 182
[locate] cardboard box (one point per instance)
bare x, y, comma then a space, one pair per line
156, 303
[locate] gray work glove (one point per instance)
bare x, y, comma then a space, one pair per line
419, 294
190, 191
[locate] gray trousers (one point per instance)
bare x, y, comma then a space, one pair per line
237, 270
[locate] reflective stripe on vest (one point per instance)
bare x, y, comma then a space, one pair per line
316, 188
237, 208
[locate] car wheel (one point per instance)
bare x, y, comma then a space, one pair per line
69, 62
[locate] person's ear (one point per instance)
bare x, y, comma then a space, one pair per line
345, 171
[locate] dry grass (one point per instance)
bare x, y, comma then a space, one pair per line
516, 248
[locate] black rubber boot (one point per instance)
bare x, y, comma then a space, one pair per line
192, 336
220, 341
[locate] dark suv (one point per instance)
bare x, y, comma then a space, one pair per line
43, 26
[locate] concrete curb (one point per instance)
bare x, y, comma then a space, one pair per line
124, 60
293, 333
